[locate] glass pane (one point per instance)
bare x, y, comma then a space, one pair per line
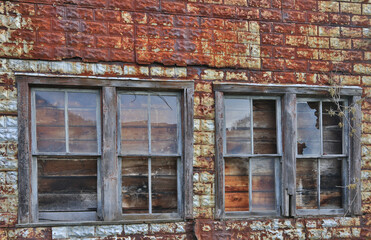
331, 183
306, 184
164, 185
134, 124
332, 132
263, 185
308, 128
237, 123
164, 122
82, 122
50, 121
236, 185
135, 185
67, 185
264, 117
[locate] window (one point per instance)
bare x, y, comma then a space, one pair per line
104, 149
252, 154
297, 164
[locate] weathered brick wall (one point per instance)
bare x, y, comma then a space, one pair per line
252, 41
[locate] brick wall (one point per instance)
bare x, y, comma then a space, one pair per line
250, 41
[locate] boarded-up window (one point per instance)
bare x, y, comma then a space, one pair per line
251, 156
321, 156
150, 152
66, 143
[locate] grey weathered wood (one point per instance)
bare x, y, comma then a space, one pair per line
283, 89
67, 216
24, 156
188, 152
219, 161
110, 170
106, 82
355, 158
289, 154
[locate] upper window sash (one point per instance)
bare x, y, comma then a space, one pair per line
248, 110
150, 108
65, 106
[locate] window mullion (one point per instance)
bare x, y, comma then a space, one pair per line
250, 185
110, 170
251, 126
66, 121
318, 184
321, 128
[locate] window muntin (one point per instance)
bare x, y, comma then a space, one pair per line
66, 122
251, 133
151, 171
321, 156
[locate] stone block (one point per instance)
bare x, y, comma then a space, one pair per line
108, 230
136, 229
81, 231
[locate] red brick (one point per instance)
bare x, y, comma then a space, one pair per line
224, 11
318, 17
25, 9
353, 56
184, 46
199, 9
122, 5
271, 39
288, 4
42, 52
95, 55
213, 23
284, 28
121, 55
271, 14
297, 65
284, 77
343, 67
94, 27
50, 11
173, 7
41, 24
93, 3
362, 21
339, 19
25, 35
52, 38
177, 33
65, 25
185, 21
266, 51
304, 53
294, 16
160, 20
148, 32
80, 40
67, 52
248, 13
276, 3
108, 42
126, 30
79, 13
265, 27
284, 52
107, 15
236, 25
310, 5
147, 5
140, 18
259, 77
273, 64
259, 3
320, 66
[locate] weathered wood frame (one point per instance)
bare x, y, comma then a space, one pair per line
109, 175
289, 94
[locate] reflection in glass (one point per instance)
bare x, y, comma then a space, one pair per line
306, 184
236, 185
308, 128
264, 117
82, 122
164, 122
332, 132
237, 124
134, 123
263, 184
50, 121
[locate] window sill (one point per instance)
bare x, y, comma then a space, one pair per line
97, 223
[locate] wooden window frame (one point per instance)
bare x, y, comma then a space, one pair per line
109, 202
289, 95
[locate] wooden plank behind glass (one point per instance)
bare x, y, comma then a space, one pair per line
332, 132
331, 183
236, 184
263, 184
306, 184
67, 185
134, 185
